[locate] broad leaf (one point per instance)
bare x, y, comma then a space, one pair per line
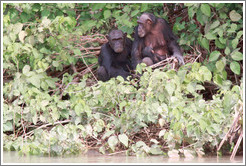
234, 16
214, 56
123, 139
112, 142
107, 14
237, 56
235, 67
205, 8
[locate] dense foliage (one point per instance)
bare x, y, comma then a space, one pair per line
54, 105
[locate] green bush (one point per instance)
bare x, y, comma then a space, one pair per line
49, 110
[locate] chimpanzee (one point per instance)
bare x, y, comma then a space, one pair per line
154, 41
115, 56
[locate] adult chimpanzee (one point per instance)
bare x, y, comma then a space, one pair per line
115, 56
154, 41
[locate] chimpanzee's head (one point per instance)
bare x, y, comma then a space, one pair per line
116, 39
145, 23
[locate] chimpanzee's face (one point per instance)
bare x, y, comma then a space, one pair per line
144, 25
116, 40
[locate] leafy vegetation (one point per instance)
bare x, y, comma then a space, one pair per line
54, 105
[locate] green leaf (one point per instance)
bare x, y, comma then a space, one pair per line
31, 40
41, 37
205, 8
77, 51
17, 28
8, 126
52, 41
205, 43
214, 24
217, 79
108, 133
140, 144
203, 124
134, 13
227, 51
239, 34
107, 14
155, 151
189, 4
102, 150
162, 133
123, 139
234, 43
122, 104
55, 63
35, 80
229, 100
154, 141
44, 103
222, 40
234, 27
237, 56
210, 36
78, 109
144, 7
112, 142
234, 16
127, 22
220, 65
46, 22
191, 12
219, 44
22, 35
191, 87
120, 78
214, 56
96, 6
199, 87
205, 73
170, 87
35, 118
45, 13
235, 67
224, 74
26, 69
200, 16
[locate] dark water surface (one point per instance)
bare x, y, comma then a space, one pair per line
94, 157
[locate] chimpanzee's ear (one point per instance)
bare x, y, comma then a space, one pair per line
125, 34
149, 21
107, 36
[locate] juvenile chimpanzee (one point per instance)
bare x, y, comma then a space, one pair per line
115, 56
154, 41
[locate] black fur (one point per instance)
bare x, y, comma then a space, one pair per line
114, 64
139, 50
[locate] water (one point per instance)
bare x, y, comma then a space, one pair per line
95, 157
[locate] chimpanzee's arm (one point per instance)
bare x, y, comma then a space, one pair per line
106, 61
172, 42
105, 57
173, 46
136, 49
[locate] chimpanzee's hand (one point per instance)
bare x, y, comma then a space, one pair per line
148, 52
180, 59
